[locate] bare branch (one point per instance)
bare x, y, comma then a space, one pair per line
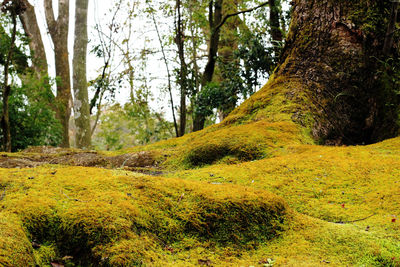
238, 13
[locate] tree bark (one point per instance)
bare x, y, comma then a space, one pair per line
58, 30
228, 44
183, 71
275, 28
81, 99
5, 121
333, 79
214, 20
32, 31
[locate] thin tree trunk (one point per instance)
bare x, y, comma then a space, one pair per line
275, 28
32, 31
391, 29
59, 34
214, 20
180, 42
168, 73
81, 101
7, 89
227, 45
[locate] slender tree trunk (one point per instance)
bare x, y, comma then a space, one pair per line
391, 29
168, 74
275, 28
180, 42
333, 79
81, 101
214, 20
32, 31
59, 34
5, 121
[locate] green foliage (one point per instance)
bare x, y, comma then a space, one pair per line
32, 120
130, 125
257, 61
240, 78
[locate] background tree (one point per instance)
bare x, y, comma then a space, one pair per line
81, 99
37, 50
31, 119
13, 8
58, 29
183, 70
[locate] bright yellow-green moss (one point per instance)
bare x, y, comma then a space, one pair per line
345, 202
114, 217
353, 188
263, 126
232, 143
281, 99
15, 248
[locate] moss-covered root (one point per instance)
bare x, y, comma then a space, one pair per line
15, 248
100, 216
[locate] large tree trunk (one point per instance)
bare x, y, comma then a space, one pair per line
59, 34
332, 79
81, 101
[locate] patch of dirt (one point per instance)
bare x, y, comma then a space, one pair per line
36, 156
6, 162
86, 159
140, 159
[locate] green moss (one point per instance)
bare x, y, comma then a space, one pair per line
15, 248
45, 254
103, 216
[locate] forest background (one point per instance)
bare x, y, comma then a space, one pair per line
130, 72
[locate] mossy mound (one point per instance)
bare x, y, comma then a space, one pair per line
280, 100
243, 142
15, 248
226, 143
99, 217
351, 191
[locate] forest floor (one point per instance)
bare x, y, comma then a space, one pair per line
259, 195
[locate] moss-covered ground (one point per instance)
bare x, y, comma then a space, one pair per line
251, 191
267, 199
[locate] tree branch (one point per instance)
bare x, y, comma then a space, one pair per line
49, 14
238, 13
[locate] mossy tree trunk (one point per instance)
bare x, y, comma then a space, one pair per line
334, 54
228, 44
